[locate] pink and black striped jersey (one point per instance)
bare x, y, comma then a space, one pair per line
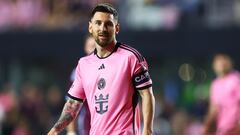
111, 86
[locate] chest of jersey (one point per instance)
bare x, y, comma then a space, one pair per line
226, 94
107, 83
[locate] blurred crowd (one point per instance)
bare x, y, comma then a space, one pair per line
31, 111
43, 14
47, 15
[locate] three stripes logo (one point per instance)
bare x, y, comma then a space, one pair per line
101, 67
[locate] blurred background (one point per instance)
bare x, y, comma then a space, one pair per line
42, 40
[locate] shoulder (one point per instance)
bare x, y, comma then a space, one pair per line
234, 77
130, 52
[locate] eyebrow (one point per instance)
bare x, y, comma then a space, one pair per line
103, 21
108, 21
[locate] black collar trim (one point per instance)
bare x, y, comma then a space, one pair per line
114, 50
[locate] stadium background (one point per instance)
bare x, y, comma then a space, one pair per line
42, 40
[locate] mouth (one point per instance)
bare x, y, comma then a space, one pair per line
103, 36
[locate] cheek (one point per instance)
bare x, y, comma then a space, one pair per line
94, 28
112, 31
94, 31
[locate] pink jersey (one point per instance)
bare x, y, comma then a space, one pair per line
111, 86
225, 95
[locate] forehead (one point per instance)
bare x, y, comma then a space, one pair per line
103, 16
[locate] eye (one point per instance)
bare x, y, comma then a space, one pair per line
98, 22
110, 24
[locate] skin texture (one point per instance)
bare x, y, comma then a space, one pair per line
210, 119
148, 109
69, 113
103, 28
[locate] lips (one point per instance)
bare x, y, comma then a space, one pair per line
103, 36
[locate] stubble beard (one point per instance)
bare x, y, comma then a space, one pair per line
103, 43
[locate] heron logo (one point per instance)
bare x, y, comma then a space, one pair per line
101, 84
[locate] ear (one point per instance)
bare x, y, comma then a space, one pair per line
117, 28
90, 27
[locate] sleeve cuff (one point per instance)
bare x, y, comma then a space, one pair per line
75, 98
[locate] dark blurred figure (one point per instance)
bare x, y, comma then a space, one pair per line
32, 108
224, 107
54, 104
11, 121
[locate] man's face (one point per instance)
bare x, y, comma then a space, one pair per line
222, 65
103, 28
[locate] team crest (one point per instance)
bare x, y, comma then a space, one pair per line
101, 84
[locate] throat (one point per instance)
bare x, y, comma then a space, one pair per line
103, 52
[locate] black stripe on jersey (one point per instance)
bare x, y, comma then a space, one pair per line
74, 98
131, 48
114, 50
135, 52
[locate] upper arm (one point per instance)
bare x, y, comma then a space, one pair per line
73, 101
146, 92
213, 105
140, 73
213, 109
213, 97
72, 104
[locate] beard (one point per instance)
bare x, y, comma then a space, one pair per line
103, 39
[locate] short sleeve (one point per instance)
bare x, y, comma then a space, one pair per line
140, 75
76, 91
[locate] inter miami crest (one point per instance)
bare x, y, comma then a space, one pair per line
102, 102
101, 83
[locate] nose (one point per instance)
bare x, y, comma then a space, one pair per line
103, 27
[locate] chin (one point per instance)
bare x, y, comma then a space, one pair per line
103, 44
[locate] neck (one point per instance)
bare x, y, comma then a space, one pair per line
224, 74
107, 50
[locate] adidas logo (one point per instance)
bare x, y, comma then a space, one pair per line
101, 67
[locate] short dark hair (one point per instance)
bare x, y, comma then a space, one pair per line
106, 8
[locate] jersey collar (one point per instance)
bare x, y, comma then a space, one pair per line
114, 50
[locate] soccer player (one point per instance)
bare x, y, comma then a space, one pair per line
224, 99
111, 79
81, 126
